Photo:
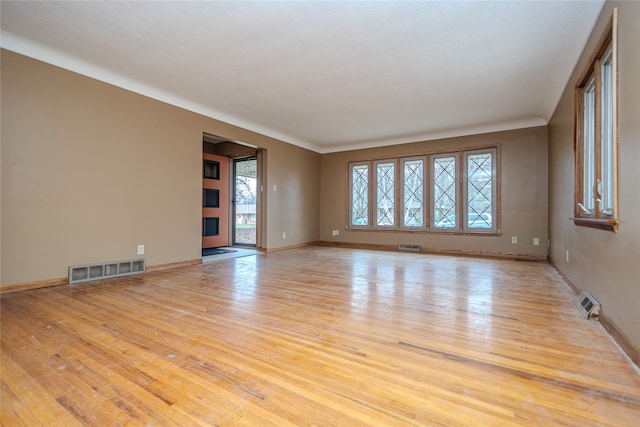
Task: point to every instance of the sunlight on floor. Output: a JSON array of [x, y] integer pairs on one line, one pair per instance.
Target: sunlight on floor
[[237, 253]]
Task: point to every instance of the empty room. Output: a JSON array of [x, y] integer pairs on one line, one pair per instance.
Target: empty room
[[387, 213]]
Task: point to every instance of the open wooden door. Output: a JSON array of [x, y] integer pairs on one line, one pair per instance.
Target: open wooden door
[[215, 201]]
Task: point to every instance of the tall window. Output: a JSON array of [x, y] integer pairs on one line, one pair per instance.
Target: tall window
[[444, 190], [413, 193], [479, 190], [452, 192], [359, 194], [385, 193], [605, 186], [595, 129], [589, 146]]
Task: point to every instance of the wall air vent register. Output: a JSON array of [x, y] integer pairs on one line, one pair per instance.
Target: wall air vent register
[[105, 270], [588, 305]]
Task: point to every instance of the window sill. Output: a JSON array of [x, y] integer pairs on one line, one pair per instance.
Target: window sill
[[601, 224], [490, 233]]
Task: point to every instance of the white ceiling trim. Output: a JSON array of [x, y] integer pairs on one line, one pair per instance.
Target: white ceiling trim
[[431, 136], [325, 76], [46, 54]]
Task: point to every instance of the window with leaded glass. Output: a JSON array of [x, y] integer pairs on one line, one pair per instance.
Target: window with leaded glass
[[385, 193], [479, 190], [444, 192], [454, 192], [359, 194], [413, 192]]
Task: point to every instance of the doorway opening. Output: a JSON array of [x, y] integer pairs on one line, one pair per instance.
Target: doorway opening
[[237, 197], [244, 201]]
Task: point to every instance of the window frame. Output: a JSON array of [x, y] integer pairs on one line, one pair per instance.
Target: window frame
[[401, 205], [432, 183], [428, 158], [591, 148], [373, 211], [494, 191], [353, 165]]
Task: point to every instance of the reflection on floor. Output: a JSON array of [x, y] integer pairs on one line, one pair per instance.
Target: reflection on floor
[[314, 336], [237, 253]]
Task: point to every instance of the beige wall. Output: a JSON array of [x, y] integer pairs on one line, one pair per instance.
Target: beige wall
[[524, 195], [604, 263], [89, 171]]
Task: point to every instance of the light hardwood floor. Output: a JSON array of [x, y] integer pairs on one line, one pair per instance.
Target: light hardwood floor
[[314, 337]]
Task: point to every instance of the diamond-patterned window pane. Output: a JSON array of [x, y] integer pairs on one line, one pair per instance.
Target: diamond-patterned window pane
[[385, 209], [479, 190], [360, 195], [413, 177], [444, 192]]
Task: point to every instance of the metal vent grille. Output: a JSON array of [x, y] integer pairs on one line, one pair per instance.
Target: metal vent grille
[[104, 270], [588, 305], [409, 248]]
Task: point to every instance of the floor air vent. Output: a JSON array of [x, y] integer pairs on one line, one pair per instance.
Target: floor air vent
[[588, 305], [104, 270], [409, 248]]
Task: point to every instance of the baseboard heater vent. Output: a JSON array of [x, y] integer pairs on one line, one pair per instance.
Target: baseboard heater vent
[[588, 305], [409, 248], [104, 270]]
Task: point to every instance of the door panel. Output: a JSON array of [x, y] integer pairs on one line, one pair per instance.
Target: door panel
[[215, 192]]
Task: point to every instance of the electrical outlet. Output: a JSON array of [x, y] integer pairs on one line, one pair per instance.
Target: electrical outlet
[[140, 249], [333, 232], [567, 255], [536, 241], [275, 187], [514, 239], [284, 234], [337, 232]]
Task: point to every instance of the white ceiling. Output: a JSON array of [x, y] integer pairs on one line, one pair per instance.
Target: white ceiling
[[328, 76]]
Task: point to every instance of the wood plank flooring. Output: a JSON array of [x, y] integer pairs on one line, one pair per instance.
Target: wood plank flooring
[[314, 337]]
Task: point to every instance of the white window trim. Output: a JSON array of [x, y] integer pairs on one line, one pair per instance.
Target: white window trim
[[350, 195], [429, 193], [425, 182], [465, 191], [432, 201], [373, 208]]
